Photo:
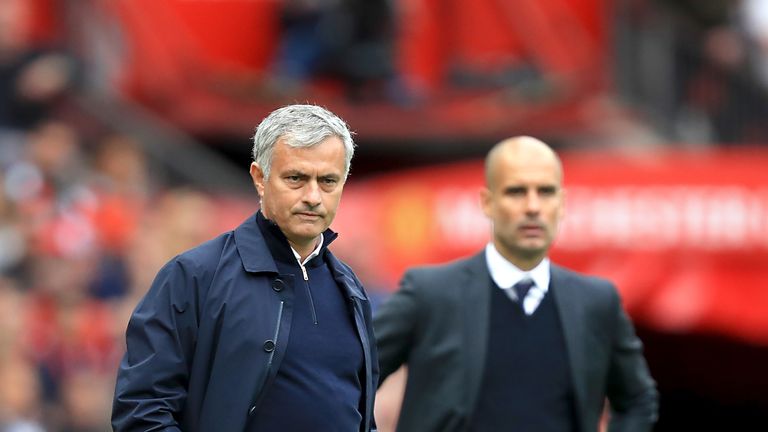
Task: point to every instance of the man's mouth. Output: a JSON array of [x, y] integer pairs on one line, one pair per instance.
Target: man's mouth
[[309, 215], [531, 229]]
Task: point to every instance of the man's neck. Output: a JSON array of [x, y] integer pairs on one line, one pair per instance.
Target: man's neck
[[304, 249], [523, 262]]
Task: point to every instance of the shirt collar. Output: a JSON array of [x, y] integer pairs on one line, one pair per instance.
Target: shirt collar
[[314, 253], [505, 274]]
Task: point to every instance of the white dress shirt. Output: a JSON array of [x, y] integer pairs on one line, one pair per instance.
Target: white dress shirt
[[314, 253], [506, 275]]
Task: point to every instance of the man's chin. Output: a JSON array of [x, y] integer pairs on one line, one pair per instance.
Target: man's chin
[[308, 231], [533, 249]]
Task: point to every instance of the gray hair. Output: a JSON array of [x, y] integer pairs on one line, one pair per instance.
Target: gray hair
[[299, 126]]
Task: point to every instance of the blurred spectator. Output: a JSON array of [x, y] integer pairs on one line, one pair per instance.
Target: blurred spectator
[[65, 330], [181, 219], [86, 397], [12, 303], [54, 148], [753, 17], [19, 395], [121, 185], [121, 167], [11, 236], [696, 67], [347, 40], [31, 77]]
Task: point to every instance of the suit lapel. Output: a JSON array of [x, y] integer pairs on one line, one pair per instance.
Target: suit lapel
[[570, 307], [474, 292]]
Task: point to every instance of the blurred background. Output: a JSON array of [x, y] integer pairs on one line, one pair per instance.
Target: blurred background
[[124, 140]]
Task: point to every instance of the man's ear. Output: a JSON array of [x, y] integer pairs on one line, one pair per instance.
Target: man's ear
[[257, 174], [485, 201]]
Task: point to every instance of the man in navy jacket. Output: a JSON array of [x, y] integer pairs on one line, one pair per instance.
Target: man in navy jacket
[[262, 328]]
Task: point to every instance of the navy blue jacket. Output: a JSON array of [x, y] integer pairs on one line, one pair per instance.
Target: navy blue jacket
[[209, 336]]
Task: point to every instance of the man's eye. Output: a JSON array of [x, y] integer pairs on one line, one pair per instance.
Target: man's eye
[[329, 181], [293, 178], [548, 191]]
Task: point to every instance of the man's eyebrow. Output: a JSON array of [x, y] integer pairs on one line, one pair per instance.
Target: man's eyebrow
[[292, 172], [515, 187], [332, 176]]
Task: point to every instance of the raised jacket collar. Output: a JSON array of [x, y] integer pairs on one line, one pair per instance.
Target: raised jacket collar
[[255, 254]]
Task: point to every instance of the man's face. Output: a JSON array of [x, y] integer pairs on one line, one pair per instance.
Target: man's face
[[303, 190], [524, 201]]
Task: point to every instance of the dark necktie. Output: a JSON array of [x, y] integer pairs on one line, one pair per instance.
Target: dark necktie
[[521, 289]]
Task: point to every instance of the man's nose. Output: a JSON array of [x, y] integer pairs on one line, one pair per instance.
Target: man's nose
[[533, 202], [312, 193]]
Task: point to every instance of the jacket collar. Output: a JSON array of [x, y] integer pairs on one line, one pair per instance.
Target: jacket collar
[[254, 252], [252, 247], [475, 295]]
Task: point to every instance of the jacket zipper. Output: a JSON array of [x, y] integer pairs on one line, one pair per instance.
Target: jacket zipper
[[309, 293], [277, 333], [304, 271]]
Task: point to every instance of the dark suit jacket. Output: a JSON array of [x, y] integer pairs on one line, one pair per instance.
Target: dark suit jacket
[[437, 324]]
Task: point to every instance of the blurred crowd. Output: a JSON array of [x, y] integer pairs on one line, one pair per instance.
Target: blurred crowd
[[83, 229], [82, 232], [698, 70]]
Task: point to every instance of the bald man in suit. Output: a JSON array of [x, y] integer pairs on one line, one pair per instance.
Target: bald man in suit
[[506, 340]]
